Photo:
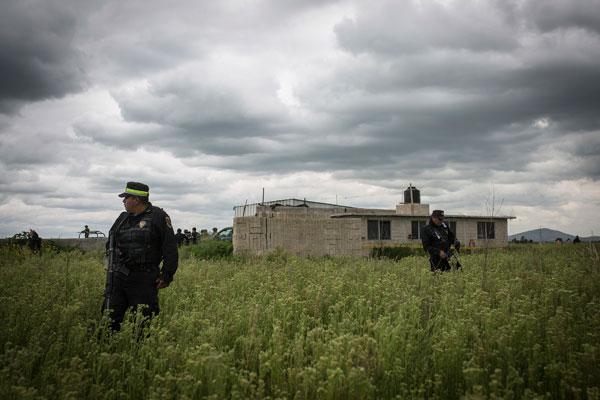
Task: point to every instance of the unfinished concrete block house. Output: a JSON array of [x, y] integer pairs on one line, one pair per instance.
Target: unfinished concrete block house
[[308, 228]]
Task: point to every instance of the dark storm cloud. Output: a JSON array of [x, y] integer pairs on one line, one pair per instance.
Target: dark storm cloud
[[20, 181], [38, 60], [390, 28], [556, 14], [419, 83], [128, 40], [125, 137], [584, 151], [555, 76], [211, 106], [472, 93], [195, 111], [24, 149]]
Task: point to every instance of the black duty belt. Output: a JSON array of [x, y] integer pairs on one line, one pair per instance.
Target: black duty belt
[[120, 269]]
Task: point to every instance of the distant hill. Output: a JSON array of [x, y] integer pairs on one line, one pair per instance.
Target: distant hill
[[550, 235]]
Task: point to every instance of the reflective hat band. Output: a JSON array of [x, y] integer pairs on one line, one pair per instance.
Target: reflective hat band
[[136, 192]]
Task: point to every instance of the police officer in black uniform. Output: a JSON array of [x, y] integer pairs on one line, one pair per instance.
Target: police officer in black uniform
[[138, 241], [34, 241], [179, 237], [437, 238]]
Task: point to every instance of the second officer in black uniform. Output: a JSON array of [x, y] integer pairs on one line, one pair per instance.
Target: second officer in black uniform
[[437, 237], [138, 241]]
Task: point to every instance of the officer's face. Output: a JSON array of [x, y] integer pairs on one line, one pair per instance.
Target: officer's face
[[130, 202], [437, 220]]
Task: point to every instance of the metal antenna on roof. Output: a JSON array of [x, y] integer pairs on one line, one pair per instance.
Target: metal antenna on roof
[[412, 207]]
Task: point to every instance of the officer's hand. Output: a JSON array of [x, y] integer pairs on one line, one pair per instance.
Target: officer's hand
[[443, 255], [160, 284]]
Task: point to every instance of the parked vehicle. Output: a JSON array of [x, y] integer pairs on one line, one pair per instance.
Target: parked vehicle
[[97, 233], [225, 234]]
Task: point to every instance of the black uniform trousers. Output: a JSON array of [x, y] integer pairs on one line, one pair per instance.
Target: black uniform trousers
[[439, 264], [125, 292]]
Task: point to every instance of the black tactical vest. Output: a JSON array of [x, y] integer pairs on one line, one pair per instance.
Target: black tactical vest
[[136, 244], [441, 234]]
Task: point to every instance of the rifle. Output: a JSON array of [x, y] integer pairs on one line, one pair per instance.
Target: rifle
[[454, 259], [112, 264], [451, 257]]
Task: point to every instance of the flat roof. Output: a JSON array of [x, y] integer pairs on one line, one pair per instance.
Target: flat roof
[[355, 212], [292, 202], [250, 209], [394, 215]]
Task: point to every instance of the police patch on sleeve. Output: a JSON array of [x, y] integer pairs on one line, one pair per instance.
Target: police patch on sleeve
[[168, 221]]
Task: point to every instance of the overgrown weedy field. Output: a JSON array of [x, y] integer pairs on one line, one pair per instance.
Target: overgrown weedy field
[[526, 325]]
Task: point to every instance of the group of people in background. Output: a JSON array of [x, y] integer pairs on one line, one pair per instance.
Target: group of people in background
[[559, 241], [186, 237], [30, 238]]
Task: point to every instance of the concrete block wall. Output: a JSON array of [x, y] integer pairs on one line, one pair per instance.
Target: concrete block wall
[[408, 209], [299, 230], [344, 237], [400, 229], [467, 230]]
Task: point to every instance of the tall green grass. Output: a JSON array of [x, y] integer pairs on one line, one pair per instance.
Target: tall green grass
[[525, 326]]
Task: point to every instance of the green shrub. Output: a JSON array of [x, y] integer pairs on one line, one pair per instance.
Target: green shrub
[[209, 250], [395, 253]]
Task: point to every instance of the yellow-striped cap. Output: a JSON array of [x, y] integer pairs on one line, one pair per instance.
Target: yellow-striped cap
[[136, 189]]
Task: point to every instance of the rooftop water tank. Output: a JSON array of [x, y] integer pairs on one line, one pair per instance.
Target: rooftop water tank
[[416, 195]]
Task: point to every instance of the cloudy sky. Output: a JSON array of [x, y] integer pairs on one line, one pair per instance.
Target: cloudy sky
[[477, 103]]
